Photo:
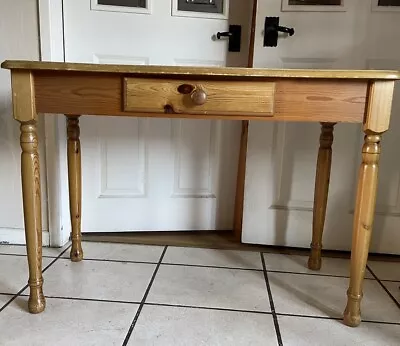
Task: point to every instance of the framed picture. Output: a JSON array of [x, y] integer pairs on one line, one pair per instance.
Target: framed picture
[[314, 5], [386, 5], [214, 9], [133, 6]]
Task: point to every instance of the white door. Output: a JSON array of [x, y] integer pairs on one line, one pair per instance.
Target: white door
[[282, 156], [155, 174]]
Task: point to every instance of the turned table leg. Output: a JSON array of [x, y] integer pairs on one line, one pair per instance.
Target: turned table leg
[[75, 186], [30, 173], [321, 193], [362, 227]]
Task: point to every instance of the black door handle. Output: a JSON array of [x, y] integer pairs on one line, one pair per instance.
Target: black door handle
[[223, 34], [271, 29], [289, 31], [235, 37]]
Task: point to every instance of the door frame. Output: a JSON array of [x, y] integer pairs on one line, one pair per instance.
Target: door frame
[[52, 48], [51, 36]]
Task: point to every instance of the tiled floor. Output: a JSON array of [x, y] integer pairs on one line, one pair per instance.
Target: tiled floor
[[148, 295]]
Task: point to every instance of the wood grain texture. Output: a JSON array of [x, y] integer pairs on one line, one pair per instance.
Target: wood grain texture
[[295, 100], [240, 183], [379, 106], [250, 61], [181, 71], [220, 97], [241, 173], [74, 185], [31, 194], [307, 100], [322, 177], [362, 227], [23, 96], [72, 93]]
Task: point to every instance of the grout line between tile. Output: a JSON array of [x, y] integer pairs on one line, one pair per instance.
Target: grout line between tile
[[139, 310], [308, 316], [210, 266], [112, 261], [203, 308], [90, 299], [384, 287], [209, 308], [26, 286], [13, 298], [392, 281], [154, 304], [24, 255], [311, 274], [333, 318], [59, 256], [378, 322], [271, 302]]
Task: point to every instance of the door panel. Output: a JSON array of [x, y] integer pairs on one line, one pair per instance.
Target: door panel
[[153, 174], [282, 157]]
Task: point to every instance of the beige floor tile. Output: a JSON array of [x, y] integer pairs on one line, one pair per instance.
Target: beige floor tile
[[394, 289], [210, 287], [386, 270], [326, 296], [14, 272], [4, 298], [213, 257], [121, 252], [316, 332], [21, 250], [98, 280], [298, 264], [172, 326], [66, 323]]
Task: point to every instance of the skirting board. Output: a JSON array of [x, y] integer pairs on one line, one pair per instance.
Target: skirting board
[[17, 236]]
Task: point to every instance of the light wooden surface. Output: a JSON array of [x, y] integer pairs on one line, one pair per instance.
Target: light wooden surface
[[295, 100], [31, 194], [241, 174], [221, 98], [362, 228], [228, 72], [300, 95], [25, 112], [322, 177], [250, 60], [23, 96], [240, 182], [379, 106], [74, 185]]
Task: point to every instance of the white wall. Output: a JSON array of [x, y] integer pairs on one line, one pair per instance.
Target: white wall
[[19, 39]]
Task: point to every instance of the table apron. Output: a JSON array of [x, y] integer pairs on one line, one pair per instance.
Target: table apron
[[302, 100]]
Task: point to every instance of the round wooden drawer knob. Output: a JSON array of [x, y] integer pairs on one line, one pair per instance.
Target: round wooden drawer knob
[[199, 97]]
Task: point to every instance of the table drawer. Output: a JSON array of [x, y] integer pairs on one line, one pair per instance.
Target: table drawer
[[199, 97]]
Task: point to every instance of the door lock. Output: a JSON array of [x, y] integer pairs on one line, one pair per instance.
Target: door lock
[[271, 30], [235, 37]]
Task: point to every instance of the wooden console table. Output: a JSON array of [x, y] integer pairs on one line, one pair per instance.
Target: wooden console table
[[324, 96]]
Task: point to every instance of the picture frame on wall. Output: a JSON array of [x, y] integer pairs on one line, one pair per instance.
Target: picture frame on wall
[[201, 9], [314, 5], [386, 5], [127, 6]]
